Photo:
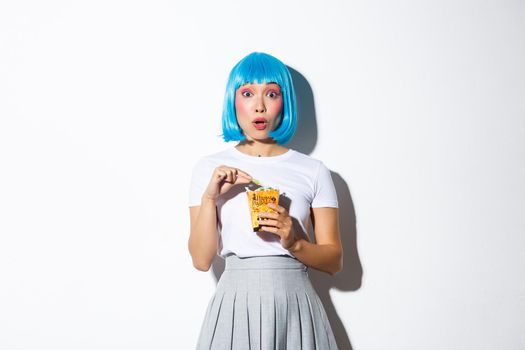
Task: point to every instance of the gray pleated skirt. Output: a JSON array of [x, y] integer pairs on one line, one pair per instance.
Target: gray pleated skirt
[[263, 303]]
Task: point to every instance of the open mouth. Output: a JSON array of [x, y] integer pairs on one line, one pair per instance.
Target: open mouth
[[260, 123]]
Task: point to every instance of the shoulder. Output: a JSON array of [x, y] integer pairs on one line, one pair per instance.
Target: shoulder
[[313, 168], [306, 160], [214, 158]]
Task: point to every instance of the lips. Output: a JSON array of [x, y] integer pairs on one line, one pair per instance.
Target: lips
[[260, 123]]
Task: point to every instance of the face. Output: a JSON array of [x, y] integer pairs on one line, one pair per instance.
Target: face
[[258, 108]]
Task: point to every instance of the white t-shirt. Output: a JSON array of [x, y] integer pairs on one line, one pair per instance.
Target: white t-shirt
[[303, 182]]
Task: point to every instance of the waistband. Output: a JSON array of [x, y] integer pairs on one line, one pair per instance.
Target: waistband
[[233, 262]]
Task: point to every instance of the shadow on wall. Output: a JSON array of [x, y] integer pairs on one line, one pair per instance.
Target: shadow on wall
[[349, 279], [305, 137]]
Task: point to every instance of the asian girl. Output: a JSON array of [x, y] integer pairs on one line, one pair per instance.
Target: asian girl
[[264, 299]]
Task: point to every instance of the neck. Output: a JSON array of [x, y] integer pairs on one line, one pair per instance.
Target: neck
[[261, 149]]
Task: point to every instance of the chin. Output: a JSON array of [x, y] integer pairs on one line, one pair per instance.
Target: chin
[[266, 139]]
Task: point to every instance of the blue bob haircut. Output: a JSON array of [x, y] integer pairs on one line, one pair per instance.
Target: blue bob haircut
[[259, 68]]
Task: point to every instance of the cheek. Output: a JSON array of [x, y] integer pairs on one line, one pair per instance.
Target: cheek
[[240, 107], [276, 107]]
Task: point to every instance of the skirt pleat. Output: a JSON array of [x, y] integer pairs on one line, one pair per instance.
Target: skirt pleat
[[265, 303], [294, 332], [254, 320], [241, 332]]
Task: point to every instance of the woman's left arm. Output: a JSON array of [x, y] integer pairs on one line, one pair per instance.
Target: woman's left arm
[[324, 255]]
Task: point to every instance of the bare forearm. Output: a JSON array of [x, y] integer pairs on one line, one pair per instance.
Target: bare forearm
[[203, 240], [327, 258]]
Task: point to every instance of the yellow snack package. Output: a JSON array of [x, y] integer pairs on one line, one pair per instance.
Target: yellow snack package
[[258, 201]]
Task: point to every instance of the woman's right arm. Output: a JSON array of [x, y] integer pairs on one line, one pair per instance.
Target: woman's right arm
[[203, 234], [203, 240]]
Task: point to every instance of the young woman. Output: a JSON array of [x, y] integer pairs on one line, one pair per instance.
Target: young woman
[[264, 299]]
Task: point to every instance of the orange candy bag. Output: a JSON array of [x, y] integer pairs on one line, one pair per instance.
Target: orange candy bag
[[258, 201]]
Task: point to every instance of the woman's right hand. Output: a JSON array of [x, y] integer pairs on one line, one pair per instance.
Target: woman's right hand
[[224, 178]]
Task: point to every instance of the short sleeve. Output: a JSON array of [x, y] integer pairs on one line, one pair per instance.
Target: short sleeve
[[325, 194], [200, 178]]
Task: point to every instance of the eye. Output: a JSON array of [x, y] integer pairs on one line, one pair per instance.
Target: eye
[[246, 93], [273, 94]]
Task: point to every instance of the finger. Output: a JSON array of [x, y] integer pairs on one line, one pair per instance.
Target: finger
[[228, 175], [242, 180], [240, 177], [270, 229], [220, 175], [244, 174], [270, 222], [265, 214], [231, 175], [278, 208]]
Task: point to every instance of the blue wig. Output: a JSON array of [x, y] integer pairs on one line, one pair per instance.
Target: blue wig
[[259, 68]]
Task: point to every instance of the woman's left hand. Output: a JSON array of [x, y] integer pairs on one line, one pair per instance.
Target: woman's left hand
[[279, 223]]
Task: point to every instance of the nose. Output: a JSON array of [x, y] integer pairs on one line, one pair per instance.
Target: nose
[[260, 107]]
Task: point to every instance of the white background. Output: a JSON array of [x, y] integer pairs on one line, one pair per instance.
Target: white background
[[417, 107]]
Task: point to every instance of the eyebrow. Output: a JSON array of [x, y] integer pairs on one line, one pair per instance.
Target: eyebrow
[[279, 86], [268, 83]]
